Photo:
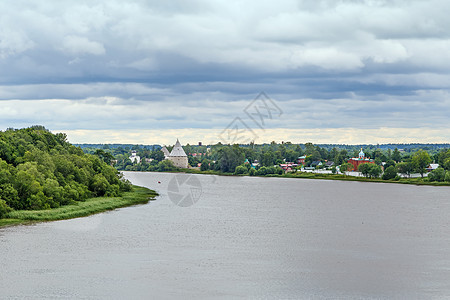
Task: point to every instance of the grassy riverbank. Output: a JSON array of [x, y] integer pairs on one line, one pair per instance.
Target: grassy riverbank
[[139, 195], [309, 175]]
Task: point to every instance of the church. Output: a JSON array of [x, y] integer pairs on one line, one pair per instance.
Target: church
[[361, 159], [177, 155]]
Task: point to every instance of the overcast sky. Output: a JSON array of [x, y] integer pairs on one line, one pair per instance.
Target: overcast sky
[[152, 71]]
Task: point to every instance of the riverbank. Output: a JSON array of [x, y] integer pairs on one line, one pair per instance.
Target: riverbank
[[310, 175], [139, 195]]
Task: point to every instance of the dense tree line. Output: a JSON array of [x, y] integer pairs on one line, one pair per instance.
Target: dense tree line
[[41, 170], [390, 159]]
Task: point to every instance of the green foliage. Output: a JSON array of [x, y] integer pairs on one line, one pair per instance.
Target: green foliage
[[437, 175], [420, 160], [4, 209], [165, 165], [389, 173], [240, 170], [333, 170], [41, 170], [370, 170], [229, 158], [396, 155], [447, 176], [345, 167]]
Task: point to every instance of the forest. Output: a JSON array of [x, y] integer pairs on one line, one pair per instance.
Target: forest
[[41, 170]]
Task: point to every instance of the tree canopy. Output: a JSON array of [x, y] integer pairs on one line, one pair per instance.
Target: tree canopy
[[40, 170]]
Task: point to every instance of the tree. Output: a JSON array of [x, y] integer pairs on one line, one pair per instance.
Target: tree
[[230, 158], [105, 156], [420, 160], [389, 163], [364, 169], [240, 170], [396, 155], [165, 165], [4, 208], [345, 167], [389, 173], [374, 171], [333, 169], [267, 159], [405, 168], [447, 176], [437, 175]]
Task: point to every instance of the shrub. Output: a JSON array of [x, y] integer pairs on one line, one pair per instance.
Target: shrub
[[4, 209], [240, 170], [389, 173], [437, 175], [447, 176]]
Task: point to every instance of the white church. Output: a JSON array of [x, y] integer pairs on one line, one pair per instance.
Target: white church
[[177, 155]]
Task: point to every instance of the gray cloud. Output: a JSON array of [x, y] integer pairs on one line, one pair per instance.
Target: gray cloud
[[134, 64]]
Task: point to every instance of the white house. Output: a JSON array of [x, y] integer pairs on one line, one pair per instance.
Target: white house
[[135, 158]]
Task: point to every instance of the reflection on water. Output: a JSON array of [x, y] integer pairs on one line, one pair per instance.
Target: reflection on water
[[244, 237]]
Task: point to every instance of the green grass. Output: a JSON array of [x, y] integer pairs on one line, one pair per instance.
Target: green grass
[[139, 195]]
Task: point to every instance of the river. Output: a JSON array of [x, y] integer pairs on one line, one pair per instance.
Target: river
[[241, 237]]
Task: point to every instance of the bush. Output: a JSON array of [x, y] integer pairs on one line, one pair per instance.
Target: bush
[[262, 171], [437, 175], [252, 172], [4, 209], [389, 173], [240, 170], [447, 176], [99, 185]]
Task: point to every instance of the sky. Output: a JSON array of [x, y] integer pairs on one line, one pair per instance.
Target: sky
[[149, 72]]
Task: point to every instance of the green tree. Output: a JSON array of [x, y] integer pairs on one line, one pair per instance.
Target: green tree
[[396, 155], [166, 165], [389, 163], [375, 171], [389, 173], [333, 170], [365, 169], [437, 175], [240, 170], [420, 160], [447, 176], [345, 167], [4, 208], [405, 168], [99, 185]]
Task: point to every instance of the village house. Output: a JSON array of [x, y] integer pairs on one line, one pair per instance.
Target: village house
[[134, 157], [301, 160]]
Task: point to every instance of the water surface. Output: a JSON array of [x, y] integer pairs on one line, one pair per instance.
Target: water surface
[[246, 237]]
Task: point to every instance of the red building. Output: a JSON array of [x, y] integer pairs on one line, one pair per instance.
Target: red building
[[361, 159], [301, 160]]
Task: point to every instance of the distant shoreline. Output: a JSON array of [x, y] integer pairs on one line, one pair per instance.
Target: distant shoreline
[[321, 176]]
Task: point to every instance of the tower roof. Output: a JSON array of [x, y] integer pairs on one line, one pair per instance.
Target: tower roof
[[177, 150], [361, 154], [165, 151]]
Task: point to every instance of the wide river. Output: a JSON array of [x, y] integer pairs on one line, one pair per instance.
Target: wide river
[[241, 237]]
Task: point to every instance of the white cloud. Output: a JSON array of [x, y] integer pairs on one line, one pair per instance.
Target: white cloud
[[134, 64], [77, 45]]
